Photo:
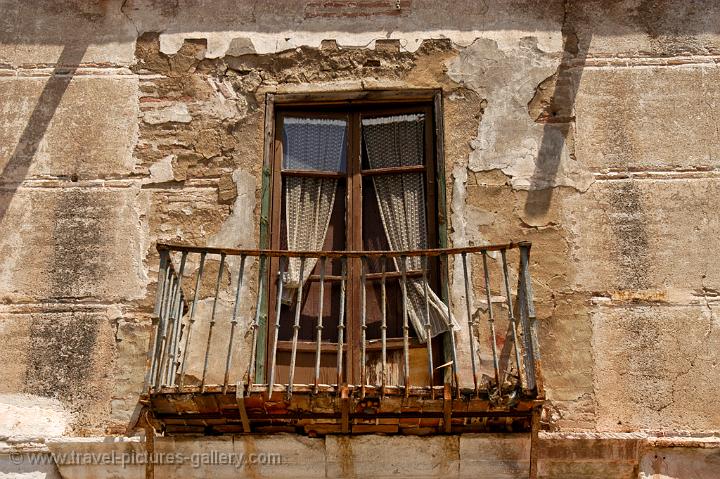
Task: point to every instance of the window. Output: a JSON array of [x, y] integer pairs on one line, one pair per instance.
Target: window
[[359, 177]]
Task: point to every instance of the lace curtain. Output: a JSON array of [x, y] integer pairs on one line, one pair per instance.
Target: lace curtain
[[399, 141], [309, 144]]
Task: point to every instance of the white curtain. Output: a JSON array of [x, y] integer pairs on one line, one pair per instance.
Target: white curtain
[[309, 144], [399, 141]]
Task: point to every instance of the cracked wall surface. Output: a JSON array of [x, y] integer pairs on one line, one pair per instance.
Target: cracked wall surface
[[589, 128]]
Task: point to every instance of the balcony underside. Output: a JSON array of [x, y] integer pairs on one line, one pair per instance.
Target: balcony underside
[[214, 411]]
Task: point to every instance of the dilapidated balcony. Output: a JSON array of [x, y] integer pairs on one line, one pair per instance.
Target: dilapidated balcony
[[238, 347]]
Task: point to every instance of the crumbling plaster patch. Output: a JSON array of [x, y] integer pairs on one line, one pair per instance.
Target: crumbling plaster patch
[[508, 139]]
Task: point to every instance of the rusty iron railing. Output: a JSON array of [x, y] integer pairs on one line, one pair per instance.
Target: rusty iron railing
[[498, 365]]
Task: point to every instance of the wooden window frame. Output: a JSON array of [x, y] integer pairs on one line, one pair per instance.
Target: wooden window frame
[[349, 105]]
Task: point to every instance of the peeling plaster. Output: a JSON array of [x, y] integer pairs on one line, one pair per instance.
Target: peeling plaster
[[508, 139]]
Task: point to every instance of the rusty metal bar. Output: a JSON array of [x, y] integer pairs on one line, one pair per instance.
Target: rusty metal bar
[[278, 302], [383, 324], [296, 328], [471, 329], [233, 322], [341, 324], [240, 401], [162, 327], [363, 325], [511, 315], [164, 258], [256, 322], [491, 320], [406, 327], [159, 295], [191, 319], [370, 277], [339, 254], [171, 323], [431, 370], [527, 317], [177, 323], [453, 348], [534, 442], [319, 326], [212, 320], [165, 324]]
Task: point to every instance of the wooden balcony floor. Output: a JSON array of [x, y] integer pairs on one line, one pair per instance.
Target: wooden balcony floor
[[442, 410]]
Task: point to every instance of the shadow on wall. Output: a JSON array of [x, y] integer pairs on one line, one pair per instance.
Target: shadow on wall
[[559, 119], [18, 164]]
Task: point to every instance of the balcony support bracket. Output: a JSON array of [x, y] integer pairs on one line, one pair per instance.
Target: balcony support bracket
[[345, 410], [447, 409], [240, 399], [534, 441]]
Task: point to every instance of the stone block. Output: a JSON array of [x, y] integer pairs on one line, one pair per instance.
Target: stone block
[[565, 341], [68, 31], [64, 370], [644, 234], [648, 118], [382, 457], [582, 449], [494, 455], [680, 462], [28, 465], [72, 243], [661, 28], [94, 459], [83, 128], [276, 456], [585, 470], [656, 367]]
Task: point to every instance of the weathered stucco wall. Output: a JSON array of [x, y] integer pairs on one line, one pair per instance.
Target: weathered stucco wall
[[588, 128]]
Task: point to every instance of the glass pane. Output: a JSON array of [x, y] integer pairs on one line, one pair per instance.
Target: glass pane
[[314, 144], [391, 141]]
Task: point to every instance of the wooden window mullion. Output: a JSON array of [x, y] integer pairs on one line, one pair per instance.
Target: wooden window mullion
[[354, 243]]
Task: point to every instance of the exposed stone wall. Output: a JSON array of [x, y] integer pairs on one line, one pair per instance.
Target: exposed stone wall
[[588, 128]]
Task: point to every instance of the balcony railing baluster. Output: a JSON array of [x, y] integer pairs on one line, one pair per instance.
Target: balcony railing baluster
[[427, 325], [341, 323], [296, 327], [165, 321], [363, 324], [527, 317], [405, 325], [191, 319], [256, 322], [491, 320], [444, 265], [278, 307], [233, 322], [471, 329], [169, 354], [511, 316], [157, 322], [319, 326], [212, 319], [177, 322]]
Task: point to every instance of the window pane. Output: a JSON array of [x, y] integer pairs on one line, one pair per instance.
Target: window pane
[[314, 144], [397, 140]]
